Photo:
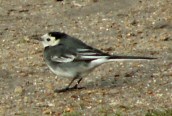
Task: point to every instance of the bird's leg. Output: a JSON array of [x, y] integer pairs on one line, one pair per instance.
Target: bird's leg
[[71, 83], [67, 88], [76, 86]]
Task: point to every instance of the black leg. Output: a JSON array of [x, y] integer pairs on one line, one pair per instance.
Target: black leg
[[76, 86], [71, 82], [65, 89], [72, 88]]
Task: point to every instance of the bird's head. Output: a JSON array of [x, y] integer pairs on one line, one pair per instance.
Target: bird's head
[[52, 38]]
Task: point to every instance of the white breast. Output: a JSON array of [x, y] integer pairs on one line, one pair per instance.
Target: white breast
[[59, 72]]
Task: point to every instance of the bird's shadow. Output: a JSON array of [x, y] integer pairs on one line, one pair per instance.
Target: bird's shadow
[[105, 83], [99, 83]]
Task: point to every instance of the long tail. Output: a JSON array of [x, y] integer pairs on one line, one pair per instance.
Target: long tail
[[100, 61], [123, 58]]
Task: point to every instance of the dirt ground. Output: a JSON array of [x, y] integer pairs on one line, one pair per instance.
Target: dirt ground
[[123, 27]]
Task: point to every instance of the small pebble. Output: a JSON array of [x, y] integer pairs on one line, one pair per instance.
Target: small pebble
[[26, 99], [49, 86], [47, 111], [2, 111], [18, 90]]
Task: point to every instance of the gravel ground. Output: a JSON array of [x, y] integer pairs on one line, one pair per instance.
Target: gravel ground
[[125, 27]]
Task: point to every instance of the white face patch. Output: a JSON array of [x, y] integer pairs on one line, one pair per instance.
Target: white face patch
[[48, 40]]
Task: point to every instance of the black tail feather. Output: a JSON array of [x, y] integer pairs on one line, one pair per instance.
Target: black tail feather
[[131, 57]]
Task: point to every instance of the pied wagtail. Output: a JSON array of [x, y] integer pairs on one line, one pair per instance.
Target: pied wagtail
[[71, 58]]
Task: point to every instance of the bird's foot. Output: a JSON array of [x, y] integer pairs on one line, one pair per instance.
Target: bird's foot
[[68, 89], [61, 90], [76, 87]]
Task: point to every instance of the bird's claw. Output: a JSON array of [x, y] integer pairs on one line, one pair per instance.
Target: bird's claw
[[68, 89]]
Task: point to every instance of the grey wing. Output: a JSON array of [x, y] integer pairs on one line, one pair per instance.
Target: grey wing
[[62, 54], [91, 54], [66, 58], [80, 54]]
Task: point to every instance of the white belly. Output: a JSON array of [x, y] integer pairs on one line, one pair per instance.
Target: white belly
[[59, 72]]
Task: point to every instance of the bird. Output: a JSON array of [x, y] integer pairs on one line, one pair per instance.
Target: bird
[[71, 58]]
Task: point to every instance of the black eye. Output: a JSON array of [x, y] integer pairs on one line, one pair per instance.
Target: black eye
[[48, 39]]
